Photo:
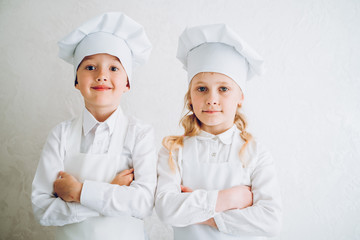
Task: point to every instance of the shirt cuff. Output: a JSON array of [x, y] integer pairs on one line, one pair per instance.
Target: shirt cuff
[[220, 223], [211, 200], [91, 195], [83, 212]]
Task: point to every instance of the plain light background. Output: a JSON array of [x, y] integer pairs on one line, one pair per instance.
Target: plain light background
[[305, 109]]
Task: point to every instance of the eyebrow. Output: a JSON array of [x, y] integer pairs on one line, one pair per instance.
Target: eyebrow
[[201, 82], [223, 83], [218, 83], [87, 58], [115, 59]]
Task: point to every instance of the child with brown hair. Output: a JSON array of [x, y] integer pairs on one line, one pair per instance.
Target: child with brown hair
[[97, 174]]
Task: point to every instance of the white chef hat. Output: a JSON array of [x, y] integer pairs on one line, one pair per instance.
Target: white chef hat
[[217, 48], [113, 33]]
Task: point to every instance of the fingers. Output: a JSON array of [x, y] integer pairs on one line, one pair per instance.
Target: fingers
[[63, 174], [131, 177], [248, 187], [243, 187], [185, 189], [126, 172], [122, 180]]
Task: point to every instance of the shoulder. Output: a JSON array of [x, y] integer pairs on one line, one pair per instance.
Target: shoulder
[[189, 141], [253, 148], [56, 139], [138, 124], [138, 128], [258, 154], [61, 128], [257, 147], [164, 152]]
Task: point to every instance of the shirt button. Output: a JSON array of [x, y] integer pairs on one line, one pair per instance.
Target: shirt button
[[213, 154]]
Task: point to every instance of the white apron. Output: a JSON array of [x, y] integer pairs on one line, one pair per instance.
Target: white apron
[[99, 167], [210, 176]]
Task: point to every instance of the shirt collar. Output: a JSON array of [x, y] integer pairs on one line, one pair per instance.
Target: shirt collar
[[89, 122], [225, 137]]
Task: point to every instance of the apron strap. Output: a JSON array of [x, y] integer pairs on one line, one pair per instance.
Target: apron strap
[[118, 136], [179, 161], [73, 136], [188, 151]]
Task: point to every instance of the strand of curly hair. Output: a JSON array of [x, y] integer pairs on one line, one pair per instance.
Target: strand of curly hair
[[192, 127]]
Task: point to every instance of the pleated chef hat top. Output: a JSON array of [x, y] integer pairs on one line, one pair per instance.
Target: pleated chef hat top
[[113, 33], [217, 48]]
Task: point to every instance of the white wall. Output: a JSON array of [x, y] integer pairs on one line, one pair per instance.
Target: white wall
[[306, 108]]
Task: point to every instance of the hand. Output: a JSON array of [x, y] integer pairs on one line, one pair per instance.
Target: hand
[[185, 189], [237, 197], [67, 187], [210, 222], [124, 178]]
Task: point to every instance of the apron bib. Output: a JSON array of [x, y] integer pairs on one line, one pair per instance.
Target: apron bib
[[209, 176], [103, 168]]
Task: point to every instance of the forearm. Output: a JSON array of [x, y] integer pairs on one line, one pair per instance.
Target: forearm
[[237, 197], [48, 209], [263, 218], [136, 200], [52, 211], [183, 209], [251, 221]]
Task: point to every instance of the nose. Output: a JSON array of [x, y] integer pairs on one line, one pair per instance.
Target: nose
[[102, 76], [101, 79], [212, 98]]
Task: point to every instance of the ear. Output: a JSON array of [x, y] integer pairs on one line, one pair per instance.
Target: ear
[[127, 87], [76, 82], [241, 99]]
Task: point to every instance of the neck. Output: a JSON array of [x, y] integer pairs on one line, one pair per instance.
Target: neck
[[215, 130], [101, 114]]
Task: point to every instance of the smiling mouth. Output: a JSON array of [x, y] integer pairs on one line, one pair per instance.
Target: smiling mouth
[[211, 111], [101, 88]]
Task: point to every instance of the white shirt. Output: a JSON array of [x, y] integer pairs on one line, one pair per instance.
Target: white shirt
[[178, 209], [215, 148], [97, 198], [96, 135]]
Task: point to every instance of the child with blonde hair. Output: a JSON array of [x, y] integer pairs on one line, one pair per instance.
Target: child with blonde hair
[[96, 177], [216, 181]]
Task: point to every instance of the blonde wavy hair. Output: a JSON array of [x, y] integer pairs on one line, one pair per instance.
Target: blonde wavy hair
[[192, 127]]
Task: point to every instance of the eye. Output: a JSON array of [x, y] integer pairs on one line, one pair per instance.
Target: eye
[[201, 89], [114, 69], [223, 89], [90, 68]]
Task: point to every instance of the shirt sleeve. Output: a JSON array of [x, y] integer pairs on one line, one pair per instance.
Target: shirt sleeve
[[48, 209], [136, 200], [263, 218], [176, 208]]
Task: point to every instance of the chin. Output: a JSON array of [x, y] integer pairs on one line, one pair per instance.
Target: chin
[[211, 123]]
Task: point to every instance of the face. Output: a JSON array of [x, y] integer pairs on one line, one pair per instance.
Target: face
[[101, 80], [215, 98]]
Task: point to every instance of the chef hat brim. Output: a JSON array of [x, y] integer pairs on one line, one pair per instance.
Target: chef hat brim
[[215, 37]]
